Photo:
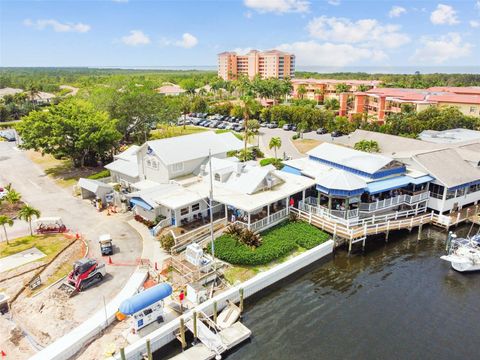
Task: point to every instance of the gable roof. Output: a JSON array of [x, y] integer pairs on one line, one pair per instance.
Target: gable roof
[[448, 167], [126, 167], [129, 154], [195, 146], [354, 159]]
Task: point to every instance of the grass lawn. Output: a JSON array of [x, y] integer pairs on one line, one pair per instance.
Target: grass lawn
[[304, 145], [278, 243], [50, 245], [63, 171], [164, 131]]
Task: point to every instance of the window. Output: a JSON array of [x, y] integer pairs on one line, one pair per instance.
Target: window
[[436, 191], [217, 177], [184, 211], [473, 109], [460, 192], [177, 167], [195, 207], [450, 194]]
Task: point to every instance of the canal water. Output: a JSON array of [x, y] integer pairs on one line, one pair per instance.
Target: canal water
[[397, 300]]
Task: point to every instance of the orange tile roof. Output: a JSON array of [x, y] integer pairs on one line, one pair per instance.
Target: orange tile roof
[[472, 90]]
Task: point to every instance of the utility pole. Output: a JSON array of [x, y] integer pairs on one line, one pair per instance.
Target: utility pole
[[211, 211]]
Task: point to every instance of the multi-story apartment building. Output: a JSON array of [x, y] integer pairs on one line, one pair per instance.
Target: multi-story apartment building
[[267, 64], [321, 89], [380, 102]]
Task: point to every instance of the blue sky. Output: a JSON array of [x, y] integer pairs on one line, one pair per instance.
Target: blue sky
[[185, 33]]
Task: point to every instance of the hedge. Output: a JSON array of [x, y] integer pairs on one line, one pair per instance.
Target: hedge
[[277, 242], [100, 175], [275, 162], [8, 124]]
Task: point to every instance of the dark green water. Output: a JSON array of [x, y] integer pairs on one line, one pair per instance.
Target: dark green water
[[395, 301]]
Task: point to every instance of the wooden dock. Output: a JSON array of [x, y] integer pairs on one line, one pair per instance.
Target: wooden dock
[[342, 231]]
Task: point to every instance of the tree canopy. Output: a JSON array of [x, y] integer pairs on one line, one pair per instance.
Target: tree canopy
[[72, 129]]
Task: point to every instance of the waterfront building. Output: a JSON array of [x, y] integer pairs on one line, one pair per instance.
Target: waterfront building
[[355, 185], [454, 166], [266, 64], [167, 182], [322, 89], [380, 102]]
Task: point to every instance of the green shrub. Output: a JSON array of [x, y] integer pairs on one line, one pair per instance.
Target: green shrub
[[275, 162], [296, 136], [100, 175], [167, 241], [8, 124], [277, 242]]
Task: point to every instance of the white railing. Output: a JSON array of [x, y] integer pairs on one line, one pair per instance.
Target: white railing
[[266, 221], [394, 201], [161, 224]]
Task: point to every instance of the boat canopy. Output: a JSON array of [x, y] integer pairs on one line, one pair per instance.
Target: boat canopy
[[144, 299]]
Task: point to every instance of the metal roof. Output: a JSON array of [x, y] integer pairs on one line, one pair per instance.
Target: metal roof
[[195, 146], [340, 180], [126, 167], [354, 159]]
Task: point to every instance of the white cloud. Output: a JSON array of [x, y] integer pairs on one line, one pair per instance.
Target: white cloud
[[248, 14], [278, 6], [441, 49], [474, 24], [369, 32], [396, 11], [334, 2], [242, 51], [188, 41], [57, 25], [136, 37], [328, 54], [444, 14], [477, 5]]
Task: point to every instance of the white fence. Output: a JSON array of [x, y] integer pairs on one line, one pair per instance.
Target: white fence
[[69, 344], [166, 333], [161, 224], [394, 201]]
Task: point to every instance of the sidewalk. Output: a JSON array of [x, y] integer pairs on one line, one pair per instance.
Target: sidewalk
[[151, 246]]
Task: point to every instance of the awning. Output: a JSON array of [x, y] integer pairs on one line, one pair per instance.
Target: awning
[[388, 184], [421, 180], [140, 202]]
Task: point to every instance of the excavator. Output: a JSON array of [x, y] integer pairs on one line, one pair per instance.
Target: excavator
[[85, 273]]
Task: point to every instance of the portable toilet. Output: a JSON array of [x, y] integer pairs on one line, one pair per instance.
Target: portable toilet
[[147, 306]]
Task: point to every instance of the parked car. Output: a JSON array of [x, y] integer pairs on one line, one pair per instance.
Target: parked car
[[294, 128], [219, 125], [7, 135], [287, 127], [337, 133], [321, 131]]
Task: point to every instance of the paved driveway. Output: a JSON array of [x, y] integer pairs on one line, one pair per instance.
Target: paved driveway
[[44, 194], [287, 146]]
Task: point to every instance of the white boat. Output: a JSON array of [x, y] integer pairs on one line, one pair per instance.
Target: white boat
[[228, 316], [463, 254]]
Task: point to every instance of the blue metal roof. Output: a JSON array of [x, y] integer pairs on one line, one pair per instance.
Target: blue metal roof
[[421, 180], [395, 183], [144, 299], [140, 202]]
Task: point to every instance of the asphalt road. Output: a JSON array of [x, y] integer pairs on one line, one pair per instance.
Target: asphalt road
[[287, 146], [44, 194]]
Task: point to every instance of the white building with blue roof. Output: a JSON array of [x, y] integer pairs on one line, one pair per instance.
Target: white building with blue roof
[[354, 184]]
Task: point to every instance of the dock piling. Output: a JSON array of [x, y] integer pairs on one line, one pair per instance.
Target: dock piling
[[182, 334], [419, 236], [241, 299], [215, 311], [122, 354], [194, 327], [149, 350]]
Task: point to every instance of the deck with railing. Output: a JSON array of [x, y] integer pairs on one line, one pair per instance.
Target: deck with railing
[[266, 222]]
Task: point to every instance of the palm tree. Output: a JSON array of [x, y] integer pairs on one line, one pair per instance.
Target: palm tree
[[27, 213], [301, 91], [275, 143], [33, 93], [13, 197], [5, 220]]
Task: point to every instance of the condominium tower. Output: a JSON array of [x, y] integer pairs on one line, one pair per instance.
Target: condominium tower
[[267, 64]]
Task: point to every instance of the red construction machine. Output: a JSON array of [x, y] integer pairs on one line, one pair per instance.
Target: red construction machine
[[85, 273]]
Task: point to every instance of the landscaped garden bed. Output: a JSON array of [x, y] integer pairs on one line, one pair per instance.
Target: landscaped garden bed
[[276, 243]]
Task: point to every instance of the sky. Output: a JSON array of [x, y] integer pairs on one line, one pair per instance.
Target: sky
[[335, 33]]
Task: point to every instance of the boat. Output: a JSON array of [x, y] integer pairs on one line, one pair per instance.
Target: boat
[[228, 316], [463, 253]]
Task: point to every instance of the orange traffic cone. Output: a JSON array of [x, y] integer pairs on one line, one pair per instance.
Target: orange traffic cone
[[110, 260]]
